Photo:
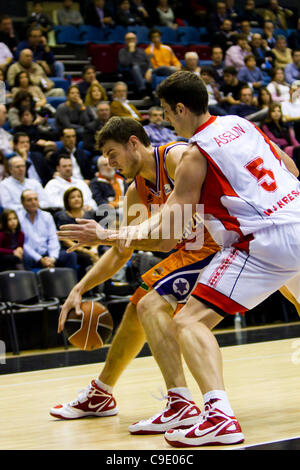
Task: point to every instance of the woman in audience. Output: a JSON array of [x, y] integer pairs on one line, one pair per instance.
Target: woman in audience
[[281, 53], [11, 241], [95, 94], [35, 126], [73, 203], [72, 114], [165, 14], [264, 98], [278, 87], [22, 100]]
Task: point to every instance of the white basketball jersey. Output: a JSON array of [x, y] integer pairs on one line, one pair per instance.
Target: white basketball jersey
[[247, 187]]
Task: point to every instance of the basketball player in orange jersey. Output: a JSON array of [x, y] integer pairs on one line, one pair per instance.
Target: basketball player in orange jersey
[[252, 209], [126, 144]]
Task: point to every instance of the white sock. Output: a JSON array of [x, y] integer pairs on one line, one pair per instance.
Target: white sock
[[183, 391], [222, 403], [104, 387]]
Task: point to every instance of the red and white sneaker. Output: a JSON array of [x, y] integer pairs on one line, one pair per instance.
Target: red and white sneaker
[[213, 428], [92, 401], [179, 413]]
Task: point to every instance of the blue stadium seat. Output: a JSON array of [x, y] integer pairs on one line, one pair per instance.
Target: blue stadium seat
[[141, 33], [281, 32], [92, 34], [55, 101], [156, 79], [117, 35], [60, 83], [188, 35], [68, 35], [168, 35]]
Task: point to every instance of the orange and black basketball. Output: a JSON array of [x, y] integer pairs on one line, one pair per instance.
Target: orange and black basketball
[[92, 329]]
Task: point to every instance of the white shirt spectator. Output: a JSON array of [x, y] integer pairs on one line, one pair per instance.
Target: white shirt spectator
[[56, 187], [6, 141], [11, 190], [4, 53]]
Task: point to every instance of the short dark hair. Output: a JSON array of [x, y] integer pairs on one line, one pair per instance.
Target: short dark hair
[[153, 31], [17, 135], [248, 57], [120, 129], [230, 70], [88, 67], [62, 155], [67, 194], [186, 88]]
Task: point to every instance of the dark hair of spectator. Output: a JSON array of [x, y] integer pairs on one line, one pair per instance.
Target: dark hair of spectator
[[86, 68], [66, 197], [63, 156], [260, 93], [153, 31], [20, 96], [230, 70], [17, 135], [270, 110], [17, 78], [4, 220], [70, 88], [120, 129]]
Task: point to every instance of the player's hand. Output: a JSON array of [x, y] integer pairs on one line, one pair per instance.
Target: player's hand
[[73, 302], [84, 233]]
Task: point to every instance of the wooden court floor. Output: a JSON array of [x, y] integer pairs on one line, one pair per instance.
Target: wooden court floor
[[262, 380]]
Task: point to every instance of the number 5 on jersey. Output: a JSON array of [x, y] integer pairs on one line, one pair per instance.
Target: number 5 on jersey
[[264, 176]]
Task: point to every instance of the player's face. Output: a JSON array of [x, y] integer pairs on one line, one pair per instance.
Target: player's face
[[172, 117], [122, 157]]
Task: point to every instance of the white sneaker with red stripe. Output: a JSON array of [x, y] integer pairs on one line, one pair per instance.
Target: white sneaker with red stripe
[[92, 401], [214, 428], [179, 413]]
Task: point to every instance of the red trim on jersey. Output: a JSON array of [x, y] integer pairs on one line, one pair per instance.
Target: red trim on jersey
[[219, 300], [205, 124], [267, 140]]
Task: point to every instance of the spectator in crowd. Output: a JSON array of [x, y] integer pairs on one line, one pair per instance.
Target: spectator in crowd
[[231, 10], [231, 88], [217, 17], [98, 14], [135, 65], [250, 14], [292, 71], [81, 165], [127, 16], [157, 132], [5, 137], [68, 16], [291, 109], [277, 14], [251, 74], [162, 57], [197, 12], [120, 106], [42, 53], [279, 132], [236, 54], [39, 19], [95, 95], [165, 14], [214, 97], [264, 98], [217, 65], [4, 173], [191, 60], [72, 114], [36, 165], [12, 187], [11, 241], [73, 209], [262, 52], [140, 8], [36, 73], [268, 34], [41, 245], [278, 87], [88, 77], [246, 106], [23, 83], [90, 130], [282, 53], [294, 37], [245, 28], [108, 189], [225, 37], [6, 57], [63, 180], [7, 33], [22, 100]]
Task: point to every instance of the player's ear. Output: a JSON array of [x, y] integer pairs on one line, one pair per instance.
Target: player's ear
[[179, 108]]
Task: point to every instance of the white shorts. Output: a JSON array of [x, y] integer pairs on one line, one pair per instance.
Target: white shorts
[[236, 281]]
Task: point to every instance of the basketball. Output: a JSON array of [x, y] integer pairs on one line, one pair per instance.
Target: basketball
[[92, 329]]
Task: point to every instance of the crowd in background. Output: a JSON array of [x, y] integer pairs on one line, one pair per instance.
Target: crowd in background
[[51, 171]]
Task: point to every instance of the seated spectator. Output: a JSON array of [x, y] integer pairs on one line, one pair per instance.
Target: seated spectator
[[72, 114], [98, 14], [108, 189], [162, 57], [165, 14], [12, 187], [268, 34], [278, 87], [6, 57], [235, 55], [139, 7], [120, 106], [36, 73], [5, 137], [11, 242], [218, 65], [135, 64], [68, 16], [4, 172], [282, 54], [157, 132], [217, 17], [250, 14], [292, 71], [127, 16], [264, 99], [279, 132], [39, 19], [22, 100], [291, 109], [262, 52], [245, 28], [88, 77], [251, 74], [277, 14], [95, 95], [226, 37], [36, 127], [36, 165], [63, 180], [214, 97], [7, 33], [191, 60], [246, 106], [81, 164], [73, 209], [42, 53], [41, 245], [231, 88], [90, 130], [293, 39]]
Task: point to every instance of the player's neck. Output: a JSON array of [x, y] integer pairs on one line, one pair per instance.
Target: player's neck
[[148, 170], [194, 123]]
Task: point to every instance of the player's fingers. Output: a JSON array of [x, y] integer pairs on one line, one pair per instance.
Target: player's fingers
[[74, 247], [82, 221]]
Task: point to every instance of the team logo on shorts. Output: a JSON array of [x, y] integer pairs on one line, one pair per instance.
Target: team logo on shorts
[[167, 189], [181, 286]]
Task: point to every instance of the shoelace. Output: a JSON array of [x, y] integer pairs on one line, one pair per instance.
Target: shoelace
[[82, 395], [161, 398]]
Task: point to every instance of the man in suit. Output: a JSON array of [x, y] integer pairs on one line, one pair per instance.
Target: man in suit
[[120, 106], [98, 14]]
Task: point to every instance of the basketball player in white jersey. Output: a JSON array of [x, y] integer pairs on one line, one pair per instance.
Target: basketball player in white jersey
[[252, 210]]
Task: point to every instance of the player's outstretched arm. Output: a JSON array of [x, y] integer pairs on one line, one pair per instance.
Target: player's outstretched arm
[[287, 160]]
